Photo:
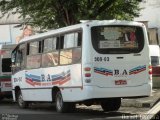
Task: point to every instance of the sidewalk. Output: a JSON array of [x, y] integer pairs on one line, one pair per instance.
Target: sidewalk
[[147, 102]]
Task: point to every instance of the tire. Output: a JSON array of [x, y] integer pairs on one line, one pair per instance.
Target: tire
[[111, 104], [20, 101], [62, 106]]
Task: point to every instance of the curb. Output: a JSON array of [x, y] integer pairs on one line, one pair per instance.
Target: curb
[[146, 102], [135, 103]]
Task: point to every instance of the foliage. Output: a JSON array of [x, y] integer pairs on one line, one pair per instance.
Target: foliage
[[57, 13]]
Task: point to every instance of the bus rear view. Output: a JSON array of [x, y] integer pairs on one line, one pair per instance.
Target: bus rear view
[[121, 60], [120, 65]]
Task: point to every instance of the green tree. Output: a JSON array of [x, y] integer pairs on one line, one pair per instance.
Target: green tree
[[58, 13]]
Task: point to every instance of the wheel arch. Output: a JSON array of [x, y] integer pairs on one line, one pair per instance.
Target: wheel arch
[[17, 89], [55, 89]]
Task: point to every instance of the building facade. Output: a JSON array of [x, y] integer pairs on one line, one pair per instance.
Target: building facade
[[9, 29], [150, 15]]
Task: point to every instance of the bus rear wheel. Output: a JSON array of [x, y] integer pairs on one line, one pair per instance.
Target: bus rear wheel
[[62, 106], [21, 102], [111, 104]]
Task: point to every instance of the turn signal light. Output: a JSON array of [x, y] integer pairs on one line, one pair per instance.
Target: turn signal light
[[150, 70], [150, 67], [88, 75], [87, 69]]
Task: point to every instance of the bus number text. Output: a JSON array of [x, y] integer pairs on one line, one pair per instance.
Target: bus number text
[[101, 59]]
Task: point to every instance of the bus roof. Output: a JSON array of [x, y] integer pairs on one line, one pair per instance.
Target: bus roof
[[79, 26]]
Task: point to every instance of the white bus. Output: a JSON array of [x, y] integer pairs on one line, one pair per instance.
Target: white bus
[[93, 62], [5, 71]]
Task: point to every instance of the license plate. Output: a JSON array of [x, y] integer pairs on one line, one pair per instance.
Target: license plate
[[120, 82]]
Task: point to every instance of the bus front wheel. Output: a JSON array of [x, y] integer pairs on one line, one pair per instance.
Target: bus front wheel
[[21, 102], [111, 104], [62, 106]]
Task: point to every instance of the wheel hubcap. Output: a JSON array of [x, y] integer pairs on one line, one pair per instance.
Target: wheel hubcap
[[59, 101], [20, 100]]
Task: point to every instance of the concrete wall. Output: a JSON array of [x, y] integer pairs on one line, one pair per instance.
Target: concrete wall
[[8, 29], [8, 33], [153, 36]]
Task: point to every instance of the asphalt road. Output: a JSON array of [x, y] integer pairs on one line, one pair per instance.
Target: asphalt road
[[10, 111]]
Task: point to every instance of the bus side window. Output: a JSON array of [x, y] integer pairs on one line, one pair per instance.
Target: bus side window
[[71, 52], [18, 58], [34, 48], [34, 58], [76, 52], [47, 45], [50, 53], [76, 55]]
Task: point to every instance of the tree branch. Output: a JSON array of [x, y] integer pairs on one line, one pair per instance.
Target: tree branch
[[104, 7]]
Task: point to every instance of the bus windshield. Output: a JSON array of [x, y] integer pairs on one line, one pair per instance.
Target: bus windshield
[[117, 39]]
